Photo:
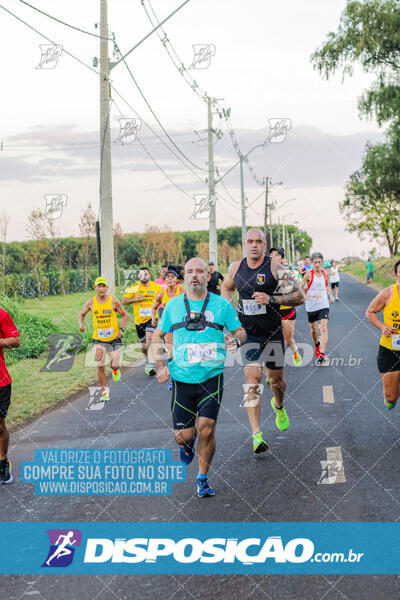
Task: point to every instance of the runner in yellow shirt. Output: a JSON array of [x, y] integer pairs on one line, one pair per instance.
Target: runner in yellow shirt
[[388, 301], [142, 295], [106, 332]]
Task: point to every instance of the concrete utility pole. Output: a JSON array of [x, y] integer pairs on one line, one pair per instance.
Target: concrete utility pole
[[212, 237], [266, 209], [243, 206], [293, 255], [106, 208]]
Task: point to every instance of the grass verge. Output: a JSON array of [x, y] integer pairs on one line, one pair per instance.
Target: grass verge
[[383, 272]]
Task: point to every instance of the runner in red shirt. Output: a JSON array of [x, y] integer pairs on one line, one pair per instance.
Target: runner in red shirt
[[9, 338]]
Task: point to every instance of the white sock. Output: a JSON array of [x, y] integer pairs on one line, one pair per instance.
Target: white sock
[[293, 348]]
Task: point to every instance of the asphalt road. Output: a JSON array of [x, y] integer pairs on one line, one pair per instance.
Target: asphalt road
[[281, 485]]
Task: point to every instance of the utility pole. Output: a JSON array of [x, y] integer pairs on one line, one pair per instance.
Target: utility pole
[[293, 256], [243, 206], [212, 237], [271, 242], [266, 210], [283, 234], [106, 209]]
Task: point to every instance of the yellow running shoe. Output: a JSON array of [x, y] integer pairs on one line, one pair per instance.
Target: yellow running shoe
[[297, 359], [282, 419], [259, 444], [116, 374]]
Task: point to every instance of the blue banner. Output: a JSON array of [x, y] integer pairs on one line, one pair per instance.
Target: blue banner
[[200, 548]]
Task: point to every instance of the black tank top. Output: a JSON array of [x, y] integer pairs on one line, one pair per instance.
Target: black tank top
[[259, 321]]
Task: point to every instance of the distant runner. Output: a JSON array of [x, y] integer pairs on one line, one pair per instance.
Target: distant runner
[[388, 300], [256, 280], [142, 295], [197, 319], [369, 265], [215, 277], [317, 305], [107, 335], [334, 278], [162, 280], [9, 338]]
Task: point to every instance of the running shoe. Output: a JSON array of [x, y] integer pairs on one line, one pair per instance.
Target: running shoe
[[259, 444], [116, 374], [170, 384], [105, 396], [149, 369], [186, 451], [5, 471], [322, 360], [317, 351], [152, 369], [390, 405], [204, 489], [282, 419], [297, 359]]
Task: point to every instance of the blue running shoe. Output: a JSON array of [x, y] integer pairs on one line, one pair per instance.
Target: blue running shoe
[[204, 489], [170, 384], [186, 451]]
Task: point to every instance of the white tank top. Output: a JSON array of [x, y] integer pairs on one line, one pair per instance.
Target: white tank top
[[318, 298], [334, 277]]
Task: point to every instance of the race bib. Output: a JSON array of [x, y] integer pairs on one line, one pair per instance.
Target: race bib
[[396, 341], [105, 333], [145, 312], [317, 297], [250, 307], [198, 353]]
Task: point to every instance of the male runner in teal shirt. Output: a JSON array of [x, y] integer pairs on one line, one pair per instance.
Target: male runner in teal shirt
[[197, 320]]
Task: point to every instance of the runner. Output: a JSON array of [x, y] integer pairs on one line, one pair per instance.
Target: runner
[[334, 278], [197, 365], [307, 264], [317, 306], [369, 265], [142, 295], [215, 277], [256, 280], [106, 332], [9, 338], [288, 313], [388, 300], [162, 279]]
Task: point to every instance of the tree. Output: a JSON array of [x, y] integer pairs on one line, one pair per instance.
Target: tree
[[57, 247], [161, 245], [87, 228], [4, 222], [369, 34], [372, 199], [36, 249]]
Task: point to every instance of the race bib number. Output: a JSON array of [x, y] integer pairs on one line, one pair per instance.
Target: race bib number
[[250, 307], [198, 353], [317, 297], [396, 341], [145, 312], [105, 333]]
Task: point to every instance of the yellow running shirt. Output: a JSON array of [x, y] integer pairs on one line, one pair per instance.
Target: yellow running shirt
[[166, 298], [142, 310], [105, 322], [391, 317]]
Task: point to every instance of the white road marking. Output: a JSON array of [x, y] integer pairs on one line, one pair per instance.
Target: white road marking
[[332, 467], [327, 392]]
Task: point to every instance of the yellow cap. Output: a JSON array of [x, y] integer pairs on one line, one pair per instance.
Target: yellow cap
[[100, 280]]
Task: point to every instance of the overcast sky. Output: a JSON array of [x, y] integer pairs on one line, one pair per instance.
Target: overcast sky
[[261, 69]]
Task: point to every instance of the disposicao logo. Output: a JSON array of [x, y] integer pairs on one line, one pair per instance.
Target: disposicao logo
[[63, 543]]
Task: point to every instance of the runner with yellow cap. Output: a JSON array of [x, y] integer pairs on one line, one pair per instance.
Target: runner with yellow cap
[[106, 332]]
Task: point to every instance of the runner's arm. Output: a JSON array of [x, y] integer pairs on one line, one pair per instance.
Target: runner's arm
[[157, 349], [156, 304], [329, 292], [228, 287], [378, 304], [10, 342], [293, 298], [88, 305], [240, 334], [306, 279], [121, 311]]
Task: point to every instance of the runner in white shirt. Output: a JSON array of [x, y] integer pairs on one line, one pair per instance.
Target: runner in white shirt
[[334, 278], [317, 305]]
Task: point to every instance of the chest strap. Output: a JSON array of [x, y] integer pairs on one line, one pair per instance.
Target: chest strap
[[203, 309]]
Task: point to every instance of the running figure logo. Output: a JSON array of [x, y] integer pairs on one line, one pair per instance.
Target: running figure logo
[[50, 55], [278, 129], [202, 206], [128, 129], [203, 54], [55, 203], [130, 276], [63, 347], [95, 401], [63, 543]]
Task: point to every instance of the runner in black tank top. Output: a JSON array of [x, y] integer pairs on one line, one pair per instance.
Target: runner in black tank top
[[260, 321], [257, 280]]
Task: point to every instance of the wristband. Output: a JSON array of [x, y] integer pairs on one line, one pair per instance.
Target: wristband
[[272, 300], [122, 329], [238, 344]]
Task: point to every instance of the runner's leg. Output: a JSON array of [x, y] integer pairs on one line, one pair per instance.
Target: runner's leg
[[4, 438], [324, 335], [206, 446], [253, 374], [314, 331], [391, 386], [278, 385]]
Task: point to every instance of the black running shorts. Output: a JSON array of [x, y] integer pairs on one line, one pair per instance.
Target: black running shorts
[[5, 400], [191, 400], [388, 360], [288, 314], [142, 328], [317, 315], [268, 351], [109, 346]]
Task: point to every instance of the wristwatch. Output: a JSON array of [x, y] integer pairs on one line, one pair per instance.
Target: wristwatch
[[272, 300], [238, 344], [122, 329]]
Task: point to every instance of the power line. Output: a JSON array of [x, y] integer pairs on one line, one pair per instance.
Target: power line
[[63, 22]]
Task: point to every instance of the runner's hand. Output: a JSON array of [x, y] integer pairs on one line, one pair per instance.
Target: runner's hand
[[82, 328], [139, 297], [387, 331], [163, 375], [231, 344], [332, 299], [261, 298], [154, 321], [120, 334]]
